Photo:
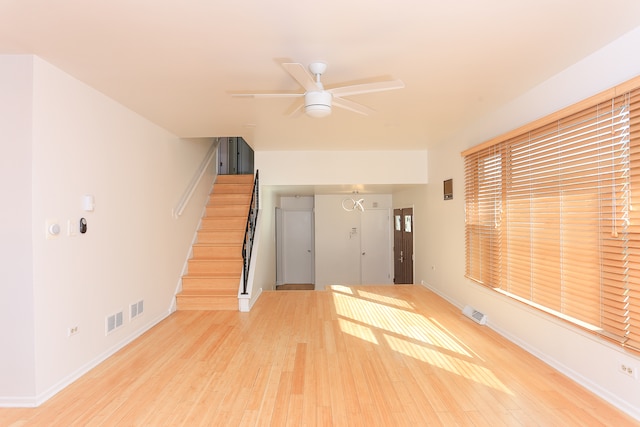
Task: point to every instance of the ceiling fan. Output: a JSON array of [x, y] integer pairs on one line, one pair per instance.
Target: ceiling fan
[[317, 100]]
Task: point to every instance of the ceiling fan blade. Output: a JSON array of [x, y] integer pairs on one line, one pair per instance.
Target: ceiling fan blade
[[267, 95], [295, 109], [367, 88], [301, 75], [352, 106]]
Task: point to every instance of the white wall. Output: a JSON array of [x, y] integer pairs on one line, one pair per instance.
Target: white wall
[[341, 167], [337, 246], [17, 369], [84, 143], [265, 273], [585, 358]]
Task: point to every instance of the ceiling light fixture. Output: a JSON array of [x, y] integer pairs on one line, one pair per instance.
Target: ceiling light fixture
[[317, 104], [351, 204]]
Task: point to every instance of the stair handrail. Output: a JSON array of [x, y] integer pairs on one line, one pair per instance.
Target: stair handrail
[[195, 180], [250, 229]]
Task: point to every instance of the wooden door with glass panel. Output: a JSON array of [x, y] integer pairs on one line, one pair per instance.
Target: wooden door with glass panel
[[403, 246]]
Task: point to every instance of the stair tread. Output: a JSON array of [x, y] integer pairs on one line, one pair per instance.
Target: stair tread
[[222, 231], [203, 276], [214, 216], [217, 258], [218, 245], [219, 219], [208, 292]]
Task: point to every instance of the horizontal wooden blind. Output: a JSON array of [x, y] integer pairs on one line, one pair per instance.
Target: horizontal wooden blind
[[550, 217], [632, 277]]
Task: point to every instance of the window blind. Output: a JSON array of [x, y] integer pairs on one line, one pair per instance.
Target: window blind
[[550, 216]]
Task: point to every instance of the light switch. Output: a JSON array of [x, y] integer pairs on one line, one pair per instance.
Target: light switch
[[72, 230]]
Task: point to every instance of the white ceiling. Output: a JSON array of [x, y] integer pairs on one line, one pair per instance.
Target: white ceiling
[[175, 62]]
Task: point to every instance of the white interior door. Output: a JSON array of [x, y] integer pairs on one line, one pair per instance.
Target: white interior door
[[297, 246], [375, 248]]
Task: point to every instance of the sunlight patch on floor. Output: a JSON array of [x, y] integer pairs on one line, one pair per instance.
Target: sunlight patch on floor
[[340, 288], [398, 321], [372, 317], [453, 364], [384, 299], [357, 330]]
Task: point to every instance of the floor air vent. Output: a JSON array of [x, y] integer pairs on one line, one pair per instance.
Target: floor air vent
[[475, 315]]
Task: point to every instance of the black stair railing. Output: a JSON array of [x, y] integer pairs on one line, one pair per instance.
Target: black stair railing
[[247, 245]]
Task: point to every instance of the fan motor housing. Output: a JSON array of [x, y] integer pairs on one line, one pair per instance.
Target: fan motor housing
[[317, 103]]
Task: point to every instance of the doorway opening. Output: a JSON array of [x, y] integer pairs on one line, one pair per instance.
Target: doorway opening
[[235, 156]]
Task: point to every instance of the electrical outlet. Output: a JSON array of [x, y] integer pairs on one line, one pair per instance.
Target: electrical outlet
[[628, 369], [72, 331]]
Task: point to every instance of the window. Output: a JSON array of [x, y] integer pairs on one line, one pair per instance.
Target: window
[[553, 214]]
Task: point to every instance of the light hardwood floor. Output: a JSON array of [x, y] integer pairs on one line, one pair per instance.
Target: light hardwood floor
[[361, 356]]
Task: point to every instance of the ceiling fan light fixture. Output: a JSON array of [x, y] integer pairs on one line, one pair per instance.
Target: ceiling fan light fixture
[[317, 104], [317, 100]]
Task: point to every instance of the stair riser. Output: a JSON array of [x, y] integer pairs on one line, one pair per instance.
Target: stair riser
[[223, 237], [229, 199], [222, 223], [228, 211], [206, 303], [197, 267], [234, 179], [217, 252], [192, 283], [232, 188]]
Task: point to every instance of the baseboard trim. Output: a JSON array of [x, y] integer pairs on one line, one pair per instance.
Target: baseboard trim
[[35, 401]]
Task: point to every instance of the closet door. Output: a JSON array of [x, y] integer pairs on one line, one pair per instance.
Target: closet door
[[297, 247], [375, 244]]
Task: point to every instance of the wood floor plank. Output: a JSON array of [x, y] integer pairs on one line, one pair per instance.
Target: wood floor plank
[[352, 356]]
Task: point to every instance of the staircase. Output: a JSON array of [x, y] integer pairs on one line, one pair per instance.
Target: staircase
[[215, 269]]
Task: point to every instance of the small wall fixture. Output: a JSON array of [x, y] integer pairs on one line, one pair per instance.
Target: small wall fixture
[[88, 203], [448, 189]]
